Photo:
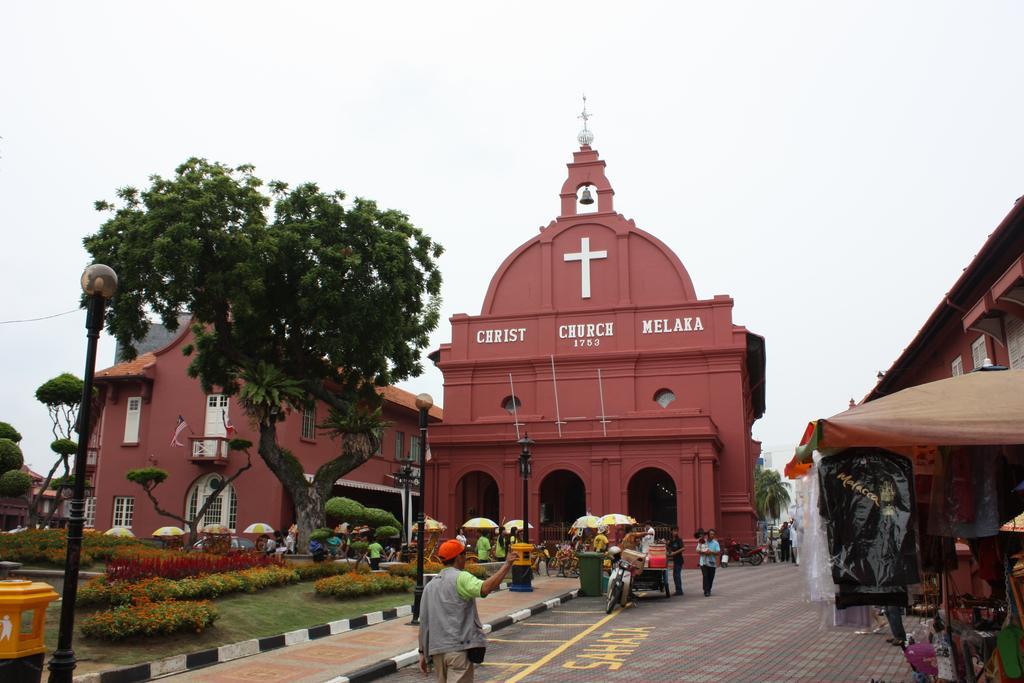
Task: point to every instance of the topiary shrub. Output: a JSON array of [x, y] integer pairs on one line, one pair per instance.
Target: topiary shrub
[[320, 534], [14, 484], [146, 475], [9, 432], [385, 532], [375, 517], [64, 446], [345, 510], [10, 456]]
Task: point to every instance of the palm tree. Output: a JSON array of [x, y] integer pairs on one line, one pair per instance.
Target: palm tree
[[771, 494]]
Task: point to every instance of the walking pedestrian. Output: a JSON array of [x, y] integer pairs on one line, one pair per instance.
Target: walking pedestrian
[[795, 532], [375, 550], [785, 535], [461, 536], [675, 551], [709, 551], [894, 615], [501, 546], [450, 631]]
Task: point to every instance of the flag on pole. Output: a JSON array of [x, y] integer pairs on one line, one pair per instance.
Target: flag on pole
[[427, 456], [229, 428], [182, 426]]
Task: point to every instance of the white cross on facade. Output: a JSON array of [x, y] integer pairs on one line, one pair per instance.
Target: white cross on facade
[[585, 256]]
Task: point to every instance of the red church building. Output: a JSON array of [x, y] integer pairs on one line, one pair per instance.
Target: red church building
[[640, 396], [141, 402]]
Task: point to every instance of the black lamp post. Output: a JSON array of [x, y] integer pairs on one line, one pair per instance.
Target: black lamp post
[[406, 479], [99, 283], [423, 403], [522, 574]]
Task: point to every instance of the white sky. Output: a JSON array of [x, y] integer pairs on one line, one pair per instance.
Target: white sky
[[832, 166]]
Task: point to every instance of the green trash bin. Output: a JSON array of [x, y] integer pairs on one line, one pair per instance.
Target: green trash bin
[[590, 573]]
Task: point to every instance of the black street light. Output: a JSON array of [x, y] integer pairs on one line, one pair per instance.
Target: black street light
[[99, 283], [522, 574], [423, 403], [405, 478]]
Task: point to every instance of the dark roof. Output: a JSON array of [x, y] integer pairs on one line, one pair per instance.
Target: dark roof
[[156, 338], [985, 264]]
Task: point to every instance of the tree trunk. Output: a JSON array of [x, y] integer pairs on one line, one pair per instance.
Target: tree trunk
[[309, 514]]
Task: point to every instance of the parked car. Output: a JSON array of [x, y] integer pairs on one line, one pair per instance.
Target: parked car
[[237, 543]]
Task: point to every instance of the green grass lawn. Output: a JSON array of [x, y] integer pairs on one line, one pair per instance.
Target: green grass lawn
[[242, 616]]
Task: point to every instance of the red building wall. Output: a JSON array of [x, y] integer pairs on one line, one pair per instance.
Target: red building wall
[[167, 392], [644, 329]]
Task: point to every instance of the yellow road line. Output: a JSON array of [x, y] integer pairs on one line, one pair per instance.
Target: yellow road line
[[561, 648], [527, 623], [584, 611], [504, 664], [522, 640]]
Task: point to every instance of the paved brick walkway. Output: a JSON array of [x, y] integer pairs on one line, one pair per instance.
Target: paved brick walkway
[[755, 627]]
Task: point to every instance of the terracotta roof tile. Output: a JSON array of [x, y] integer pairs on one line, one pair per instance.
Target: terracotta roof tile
[[132, 368], [407, 400]]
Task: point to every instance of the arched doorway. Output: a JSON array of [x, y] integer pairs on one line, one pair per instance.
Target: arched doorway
[[223, 510], [563, 498], [476, 495], [652, 497]]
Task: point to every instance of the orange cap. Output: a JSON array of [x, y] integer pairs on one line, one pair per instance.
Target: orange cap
[[449, 550]]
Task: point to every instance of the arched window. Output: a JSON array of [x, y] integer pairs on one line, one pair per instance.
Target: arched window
[[511, 404], [223, 510], [663, 397]]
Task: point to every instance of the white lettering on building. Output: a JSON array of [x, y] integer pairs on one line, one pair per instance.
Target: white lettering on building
[[501, 335], [665, 325], [586, 330]]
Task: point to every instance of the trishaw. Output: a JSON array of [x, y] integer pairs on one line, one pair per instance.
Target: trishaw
[[635, 572]]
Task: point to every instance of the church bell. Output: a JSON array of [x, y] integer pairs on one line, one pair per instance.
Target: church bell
[[586, 199]]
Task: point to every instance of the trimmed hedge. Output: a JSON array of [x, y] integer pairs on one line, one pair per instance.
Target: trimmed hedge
[[356, 584], [310, 572], [101, 591], [49, 546], [408, 569], [149, 619]]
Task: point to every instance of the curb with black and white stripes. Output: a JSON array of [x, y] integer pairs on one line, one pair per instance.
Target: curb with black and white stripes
[[246, 648], [387, 667]]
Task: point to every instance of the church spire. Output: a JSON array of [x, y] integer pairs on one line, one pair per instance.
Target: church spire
[[585, 136]]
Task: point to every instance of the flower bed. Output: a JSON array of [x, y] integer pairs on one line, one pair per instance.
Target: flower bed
[[49, 546], [408, 569], [320, 570], [103, 591], [133, 564], [149, 619], [356, 584]]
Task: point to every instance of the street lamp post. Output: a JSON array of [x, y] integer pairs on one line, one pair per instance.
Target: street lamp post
[[99, 283], [423, 403], [522, 574], [406, 479]]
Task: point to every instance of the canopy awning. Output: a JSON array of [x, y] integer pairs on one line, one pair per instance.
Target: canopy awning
[[976, 409]]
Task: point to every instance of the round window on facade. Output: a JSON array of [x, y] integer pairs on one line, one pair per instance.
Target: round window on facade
[[663, 397], [511, 404]]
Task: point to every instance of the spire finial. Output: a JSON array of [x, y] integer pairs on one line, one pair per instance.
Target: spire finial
[[585, 137]]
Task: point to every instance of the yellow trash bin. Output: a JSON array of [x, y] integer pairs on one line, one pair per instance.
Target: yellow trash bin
[[522, 571], [22, 615]]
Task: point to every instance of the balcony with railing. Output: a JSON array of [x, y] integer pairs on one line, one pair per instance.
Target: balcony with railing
[[92, 456], [209, 450]]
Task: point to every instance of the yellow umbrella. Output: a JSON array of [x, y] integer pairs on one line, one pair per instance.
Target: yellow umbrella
[[1014, 525], [615, 519], [216, 529], [429, 524], [587, 521], [169, 531], [120, 532], [514, 524], [259, 528], [481, 523]]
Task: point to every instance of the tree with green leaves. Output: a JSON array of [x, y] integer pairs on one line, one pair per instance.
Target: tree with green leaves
[[771, 494], [151, 477], [13, 482], [296, 294], [62, 397]]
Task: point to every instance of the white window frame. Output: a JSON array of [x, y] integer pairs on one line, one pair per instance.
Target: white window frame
[[309, 423], [414, 447], [399, 445], [218, 512], [957, 366], [977, 345], [1015, 341], [124, 511], [90, 513], [132, 418]]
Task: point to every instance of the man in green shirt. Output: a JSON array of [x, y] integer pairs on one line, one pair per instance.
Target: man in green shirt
[[450, 632], [374, 549], [483, 547]]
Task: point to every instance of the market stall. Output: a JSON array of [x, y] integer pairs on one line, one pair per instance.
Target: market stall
[[896, 485]]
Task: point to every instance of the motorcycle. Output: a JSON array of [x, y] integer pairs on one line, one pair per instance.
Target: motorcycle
[[746, 554], [620, 583]]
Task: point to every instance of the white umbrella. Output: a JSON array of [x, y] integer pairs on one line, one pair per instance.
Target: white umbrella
[[120, 532], [615, 519], [259, 528], [169, 531], [481, 523], [514, 524], [587, 521]]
